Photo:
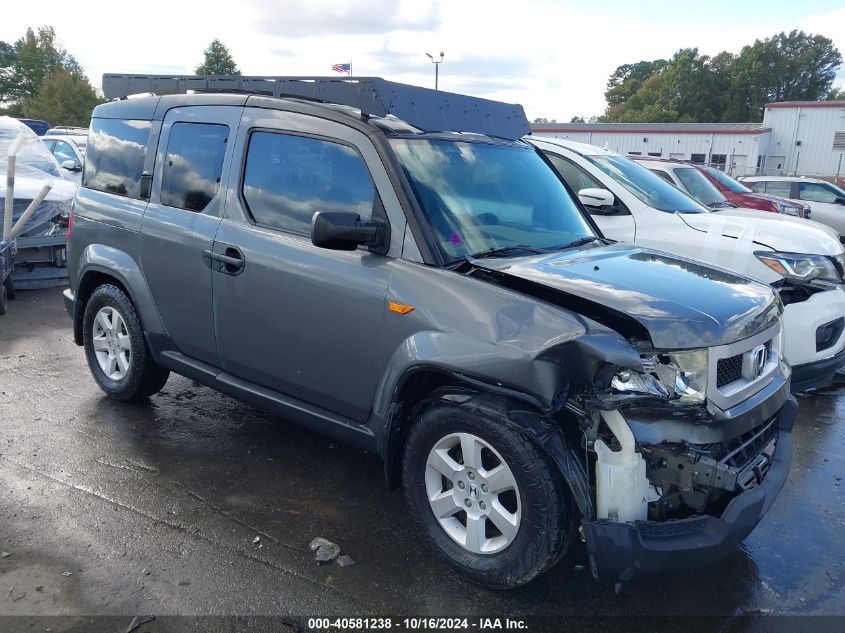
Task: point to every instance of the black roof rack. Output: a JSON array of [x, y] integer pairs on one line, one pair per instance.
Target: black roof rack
[[426, 109]]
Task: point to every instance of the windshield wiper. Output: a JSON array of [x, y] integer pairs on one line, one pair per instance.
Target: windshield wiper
[[504, 251], [724, 204], [581, 241]]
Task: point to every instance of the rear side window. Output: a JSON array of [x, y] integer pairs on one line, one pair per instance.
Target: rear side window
[[193, 165], [287, 178], [116, 152]]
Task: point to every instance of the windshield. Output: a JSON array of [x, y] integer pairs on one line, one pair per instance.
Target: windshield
[[480, 196], [646, 186], [699, 187], [727, 182]]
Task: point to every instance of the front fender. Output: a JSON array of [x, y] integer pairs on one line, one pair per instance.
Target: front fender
[[110, 261]]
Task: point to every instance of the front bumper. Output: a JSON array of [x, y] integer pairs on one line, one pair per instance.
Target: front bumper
[[622, 551], [818, 374], [800, 323]]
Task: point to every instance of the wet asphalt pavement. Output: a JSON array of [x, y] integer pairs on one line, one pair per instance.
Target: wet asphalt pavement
[[115, 509]]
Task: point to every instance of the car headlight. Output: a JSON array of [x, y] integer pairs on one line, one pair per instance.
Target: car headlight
[[800, 267], [788, 209], [675, 376]]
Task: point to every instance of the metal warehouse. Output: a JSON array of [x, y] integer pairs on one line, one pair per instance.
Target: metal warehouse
[[795, 138]]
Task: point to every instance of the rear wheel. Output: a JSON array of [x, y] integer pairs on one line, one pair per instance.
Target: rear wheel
[[115, 349], [484, 497]]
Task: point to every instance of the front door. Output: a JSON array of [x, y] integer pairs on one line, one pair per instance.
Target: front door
[[824, 207], [616, 223], [181, 220], [298, 319]]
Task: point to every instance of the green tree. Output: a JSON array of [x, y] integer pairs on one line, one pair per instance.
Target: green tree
[[25, 64], [64, 98], [697, 88], [835, 94], [793, 66], [217, 60], [627, 79]]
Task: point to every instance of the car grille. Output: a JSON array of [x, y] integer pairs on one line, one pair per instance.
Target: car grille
[[742, 450], [728, 370]]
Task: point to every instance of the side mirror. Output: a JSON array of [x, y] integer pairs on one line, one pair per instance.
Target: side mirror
[[341, 231], [596, 198], [71, 165]]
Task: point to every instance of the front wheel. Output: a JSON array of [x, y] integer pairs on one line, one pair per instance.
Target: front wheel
[[115, 349], [484, 497]]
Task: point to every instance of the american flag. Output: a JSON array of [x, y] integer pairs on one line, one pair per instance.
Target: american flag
[[342, 68]]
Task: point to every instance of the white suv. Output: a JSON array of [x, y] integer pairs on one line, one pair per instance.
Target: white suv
[[803, 259], [826, 200]]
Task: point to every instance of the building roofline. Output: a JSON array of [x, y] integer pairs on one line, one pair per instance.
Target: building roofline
[[806, 104]]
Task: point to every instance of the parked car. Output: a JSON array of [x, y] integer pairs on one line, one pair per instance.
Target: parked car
[[40, 259], [69, 152], [419, 283], [742, 196], [826, 200], [36, 125], [802, 259], [693, 180]]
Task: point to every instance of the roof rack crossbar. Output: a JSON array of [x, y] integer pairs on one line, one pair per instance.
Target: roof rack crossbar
[[426, 109]]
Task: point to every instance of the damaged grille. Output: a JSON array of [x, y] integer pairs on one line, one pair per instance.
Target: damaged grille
[[728, 370], [742, 450]]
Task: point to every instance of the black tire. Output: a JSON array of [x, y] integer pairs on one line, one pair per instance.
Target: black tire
[[10, 288], [548, 521], [144, 377], [4, 301]]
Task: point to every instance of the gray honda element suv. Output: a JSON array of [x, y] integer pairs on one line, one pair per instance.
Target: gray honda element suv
[[392, 266]]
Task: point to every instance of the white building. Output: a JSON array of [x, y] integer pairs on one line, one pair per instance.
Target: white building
[[805, 138]]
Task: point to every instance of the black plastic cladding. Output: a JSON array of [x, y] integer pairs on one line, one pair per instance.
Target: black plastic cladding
[[426, 109]]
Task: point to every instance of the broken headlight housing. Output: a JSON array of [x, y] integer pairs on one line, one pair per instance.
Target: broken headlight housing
[[801, 268], [678, 376]]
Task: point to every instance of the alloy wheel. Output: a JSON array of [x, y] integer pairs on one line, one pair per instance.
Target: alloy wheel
[[112, 346], [473, 493]]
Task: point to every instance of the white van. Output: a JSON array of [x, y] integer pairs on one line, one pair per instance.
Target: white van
[[803, 259]]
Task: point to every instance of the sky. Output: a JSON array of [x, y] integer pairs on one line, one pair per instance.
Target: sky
[[552, 56]]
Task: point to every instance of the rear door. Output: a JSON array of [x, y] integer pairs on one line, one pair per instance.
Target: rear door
[[302, 320], [181, 219]]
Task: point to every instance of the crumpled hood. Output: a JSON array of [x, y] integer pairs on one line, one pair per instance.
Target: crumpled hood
[[681, 304], [779, 232]]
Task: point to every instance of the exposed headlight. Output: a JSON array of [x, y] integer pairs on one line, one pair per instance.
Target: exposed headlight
[[677, 376], [800, 267], [788, 209]]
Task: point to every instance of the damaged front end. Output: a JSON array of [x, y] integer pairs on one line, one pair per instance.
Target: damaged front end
[[686, 455]]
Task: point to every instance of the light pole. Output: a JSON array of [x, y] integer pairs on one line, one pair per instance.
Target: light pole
[[436, 63]]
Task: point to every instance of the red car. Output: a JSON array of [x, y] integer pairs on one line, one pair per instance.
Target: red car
[[742, 196]]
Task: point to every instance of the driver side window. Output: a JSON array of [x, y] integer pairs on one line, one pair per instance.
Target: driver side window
[[578, 179], [815, 192]]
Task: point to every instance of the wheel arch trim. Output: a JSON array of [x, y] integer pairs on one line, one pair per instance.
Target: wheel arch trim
[[107, 261]]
